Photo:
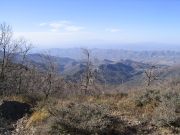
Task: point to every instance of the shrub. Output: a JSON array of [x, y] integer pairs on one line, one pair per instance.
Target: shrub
[[83, 118], [148, 97], [31, 99], [167, 113]]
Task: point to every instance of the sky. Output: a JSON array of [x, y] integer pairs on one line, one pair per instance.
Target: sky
[[94, 23]]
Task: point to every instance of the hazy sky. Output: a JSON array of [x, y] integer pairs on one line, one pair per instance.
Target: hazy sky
[[60, 23]]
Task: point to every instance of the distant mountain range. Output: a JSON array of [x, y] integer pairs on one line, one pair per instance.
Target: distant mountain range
[[156, 57], [106, 71], [116, 70]]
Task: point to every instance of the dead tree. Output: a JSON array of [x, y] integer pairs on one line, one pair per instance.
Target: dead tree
[[87, 78], [50, 75], [11, 68], [24, 49], [152, 74], [5, 46]]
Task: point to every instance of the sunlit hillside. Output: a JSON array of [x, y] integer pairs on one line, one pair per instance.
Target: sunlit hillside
[[90, 67]]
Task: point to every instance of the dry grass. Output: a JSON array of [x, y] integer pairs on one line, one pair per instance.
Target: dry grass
[[29, 99], [18, 98], [121, 106], [38, 116]]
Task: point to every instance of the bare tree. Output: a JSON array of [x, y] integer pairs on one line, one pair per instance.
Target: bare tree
[[12, 72], [24, 49], [50, 75], [88, 77], [5, 46], [152, 74]]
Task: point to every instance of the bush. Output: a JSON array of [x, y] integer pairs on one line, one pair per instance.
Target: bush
[[148, 97], [83, 119], [167, 113], [165, 110]]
